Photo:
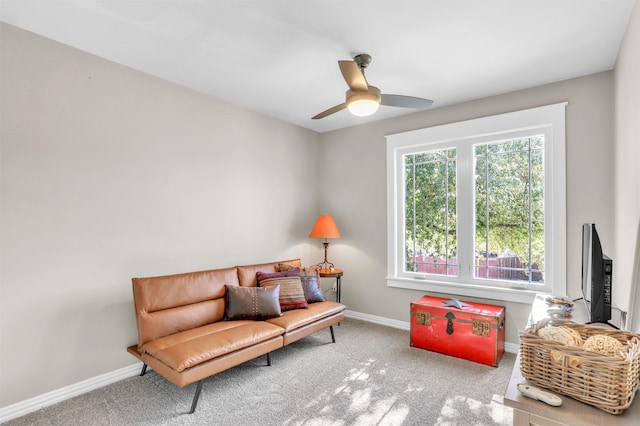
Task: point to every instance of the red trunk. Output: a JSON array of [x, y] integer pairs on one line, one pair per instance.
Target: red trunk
[[473, 332]]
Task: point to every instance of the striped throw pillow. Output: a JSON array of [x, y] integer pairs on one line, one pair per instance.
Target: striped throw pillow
[[291, 292]]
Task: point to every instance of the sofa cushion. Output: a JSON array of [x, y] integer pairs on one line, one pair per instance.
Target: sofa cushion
[[192, 347], [252, 303], [291, 292], [168, 304], [292, 320]]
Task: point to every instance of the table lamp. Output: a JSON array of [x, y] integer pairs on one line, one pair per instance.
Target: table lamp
[[325, 228]]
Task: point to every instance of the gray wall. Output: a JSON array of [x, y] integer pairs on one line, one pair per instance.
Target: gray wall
[[358, 166], [627, 164], [108, 173]]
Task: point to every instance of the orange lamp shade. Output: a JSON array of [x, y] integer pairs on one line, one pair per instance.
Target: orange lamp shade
[[325, 227]]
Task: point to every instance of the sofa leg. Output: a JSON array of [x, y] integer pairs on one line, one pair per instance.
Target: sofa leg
[[144, 370], [196, 397], [333, 337], [269, 359]]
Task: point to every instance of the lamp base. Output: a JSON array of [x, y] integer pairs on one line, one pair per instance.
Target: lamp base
[[326, 265]]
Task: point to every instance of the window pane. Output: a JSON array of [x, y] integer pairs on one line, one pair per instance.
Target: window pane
[[537, 142], [505, 147], [509, 217], [537, 216], [430, 212], [427, 157]]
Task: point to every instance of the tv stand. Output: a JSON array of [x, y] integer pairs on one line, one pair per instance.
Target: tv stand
[[527, 411], [617, 315]]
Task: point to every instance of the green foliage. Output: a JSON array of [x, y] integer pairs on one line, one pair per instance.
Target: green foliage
[[430, 213], [509, 201]]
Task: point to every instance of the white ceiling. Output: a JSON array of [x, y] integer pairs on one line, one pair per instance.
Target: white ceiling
[[279, 57]]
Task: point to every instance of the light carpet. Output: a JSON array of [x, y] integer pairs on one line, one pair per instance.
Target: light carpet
[[370, 376]]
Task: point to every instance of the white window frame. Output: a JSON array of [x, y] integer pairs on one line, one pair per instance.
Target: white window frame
[[548, 120]]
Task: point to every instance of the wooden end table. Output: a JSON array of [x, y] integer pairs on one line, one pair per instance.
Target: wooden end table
[[333, 273]]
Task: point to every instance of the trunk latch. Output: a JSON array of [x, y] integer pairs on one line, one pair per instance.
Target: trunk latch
[[450, 318]]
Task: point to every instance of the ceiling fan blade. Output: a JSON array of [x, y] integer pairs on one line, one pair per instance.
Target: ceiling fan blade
[[353, 76], [404, 101], [330, 111]]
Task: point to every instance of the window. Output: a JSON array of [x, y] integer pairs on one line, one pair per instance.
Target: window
[[509, 210], [477, 208], [430, 212]]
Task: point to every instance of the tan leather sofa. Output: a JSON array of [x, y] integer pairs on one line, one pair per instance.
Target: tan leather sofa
[[184, 337]]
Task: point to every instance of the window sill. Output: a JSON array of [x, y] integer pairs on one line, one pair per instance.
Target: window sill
[[485, 292]]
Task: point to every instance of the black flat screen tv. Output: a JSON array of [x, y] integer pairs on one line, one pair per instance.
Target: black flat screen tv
[[597, 276]]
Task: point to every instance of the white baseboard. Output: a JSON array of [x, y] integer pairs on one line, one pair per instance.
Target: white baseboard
[[404, 325], [33, 404]]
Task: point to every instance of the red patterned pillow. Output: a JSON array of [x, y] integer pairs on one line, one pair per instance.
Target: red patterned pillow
[[291, 292]]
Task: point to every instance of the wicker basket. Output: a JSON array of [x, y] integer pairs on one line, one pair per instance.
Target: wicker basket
[[605, 382]]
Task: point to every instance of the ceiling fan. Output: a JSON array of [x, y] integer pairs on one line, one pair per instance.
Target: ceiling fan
[[363, 99]]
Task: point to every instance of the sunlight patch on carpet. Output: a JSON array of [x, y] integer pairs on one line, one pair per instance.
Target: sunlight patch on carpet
[[356, 400], [413, 388], [384, 412], [462, 410], [361, 399]]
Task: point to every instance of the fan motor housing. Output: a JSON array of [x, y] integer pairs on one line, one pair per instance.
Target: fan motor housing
[[373, 94]]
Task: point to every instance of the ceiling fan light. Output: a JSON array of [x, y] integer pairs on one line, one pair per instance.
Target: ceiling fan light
[[364, 104], [363, 107]]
